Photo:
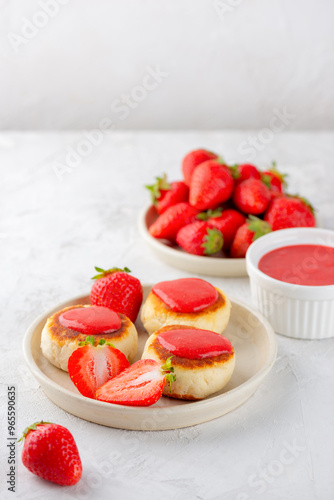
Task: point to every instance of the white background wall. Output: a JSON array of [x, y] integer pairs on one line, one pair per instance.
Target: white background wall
[[222, 63]]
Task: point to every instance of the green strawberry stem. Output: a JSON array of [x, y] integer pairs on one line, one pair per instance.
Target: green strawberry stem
[[168, 370], [213, 241], [234, 169], [32, 427], [155, 189], [258, 226], [90, 339], [103, 273], [209, 214]]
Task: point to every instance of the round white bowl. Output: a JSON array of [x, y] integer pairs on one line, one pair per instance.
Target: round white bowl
[[176, 257], [298, 311]]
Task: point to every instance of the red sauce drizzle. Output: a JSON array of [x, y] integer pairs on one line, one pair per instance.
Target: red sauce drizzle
[[91, 320], [186, 295], [192, 343]]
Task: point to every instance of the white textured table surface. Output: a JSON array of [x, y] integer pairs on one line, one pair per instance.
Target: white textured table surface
[[55, 228]]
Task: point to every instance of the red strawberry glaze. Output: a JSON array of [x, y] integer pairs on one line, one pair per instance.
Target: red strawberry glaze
[[91, 320], [194, 343], [186, 295], [308, 265]]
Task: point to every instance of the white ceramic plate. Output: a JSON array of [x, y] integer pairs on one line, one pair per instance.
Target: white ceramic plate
[[255, 347], [176, 257]]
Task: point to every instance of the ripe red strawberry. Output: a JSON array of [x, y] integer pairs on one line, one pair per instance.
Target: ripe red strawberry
[[164, 194], [251, 196], [246, 234], [118, 290], [139, 385], [50, 452], [244, 171], [199, 238], [91, 366], [285, 212], [274, 180], [226, 221], [170, 222], [211, 184], [192, 160]]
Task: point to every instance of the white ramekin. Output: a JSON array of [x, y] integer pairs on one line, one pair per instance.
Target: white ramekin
[[298, 311]]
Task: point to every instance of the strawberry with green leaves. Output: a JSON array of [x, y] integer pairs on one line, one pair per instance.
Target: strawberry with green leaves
[[50, 452], [198, 238], [165, 194], [168, 224], [226, 221], [90, 366], [117, 290], [192, 160], [253, 229], [244, 171], [274, 180], [139, 385], [211, 185], [251, 196], [290, 211]]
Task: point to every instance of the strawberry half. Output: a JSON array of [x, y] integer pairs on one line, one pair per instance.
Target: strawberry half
[[91, 366], [139, 385], [50, 452], [165, 194], [118, 290]]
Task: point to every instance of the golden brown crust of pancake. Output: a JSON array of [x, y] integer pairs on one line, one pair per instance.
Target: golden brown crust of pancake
[[194, 364], [60, 333]]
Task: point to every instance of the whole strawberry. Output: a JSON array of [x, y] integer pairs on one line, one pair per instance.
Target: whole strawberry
[[192, 160], [165, 194], [50, 452], [251, 196], [199, 238], [246, 234], [211, 184], [274, 180], [170, 222], [245, 171], [226, 221], [118, 290], [285, 212]]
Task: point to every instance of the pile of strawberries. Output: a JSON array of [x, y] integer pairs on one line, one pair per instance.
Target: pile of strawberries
[[220, 210]]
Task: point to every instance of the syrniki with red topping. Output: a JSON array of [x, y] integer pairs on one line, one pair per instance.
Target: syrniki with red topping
[[203, 361], [65, 329], [186, 301]]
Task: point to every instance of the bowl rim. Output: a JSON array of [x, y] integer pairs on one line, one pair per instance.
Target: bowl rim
[[279, 236]]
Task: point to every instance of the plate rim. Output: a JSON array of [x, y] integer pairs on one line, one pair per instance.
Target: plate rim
[[45, 381]]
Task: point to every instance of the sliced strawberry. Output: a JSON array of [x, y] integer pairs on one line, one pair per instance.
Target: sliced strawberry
[[91, 366], [170, 222], [165, 194], [139, 385]]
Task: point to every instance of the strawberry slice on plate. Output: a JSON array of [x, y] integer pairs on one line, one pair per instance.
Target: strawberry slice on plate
[[139, 385], [91, 366]]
